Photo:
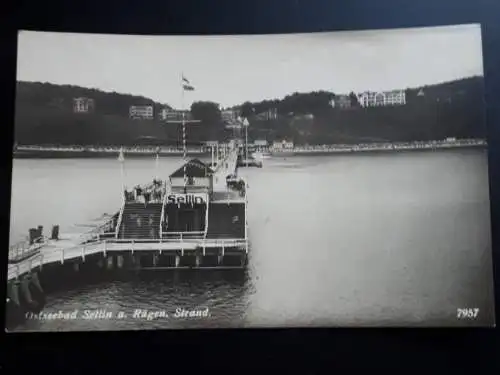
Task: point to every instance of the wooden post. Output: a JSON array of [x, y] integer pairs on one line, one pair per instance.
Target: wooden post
[[110, 262], [62, 256], [83, 253]]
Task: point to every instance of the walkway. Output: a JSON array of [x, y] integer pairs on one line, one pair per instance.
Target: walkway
[[225, 166], [64, 250]]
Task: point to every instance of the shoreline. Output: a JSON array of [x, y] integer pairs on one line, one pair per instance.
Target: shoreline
[[59, 154], [43, 152]]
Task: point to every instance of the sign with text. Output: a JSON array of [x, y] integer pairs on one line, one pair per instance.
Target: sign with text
[[192, 198]]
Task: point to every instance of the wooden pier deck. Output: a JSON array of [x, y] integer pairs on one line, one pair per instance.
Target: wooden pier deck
[[228, 165], [61, 251]]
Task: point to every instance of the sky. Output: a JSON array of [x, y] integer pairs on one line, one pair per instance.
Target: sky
[[233, 69]]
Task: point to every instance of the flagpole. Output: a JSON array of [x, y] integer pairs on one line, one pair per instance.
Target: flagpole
[[122, 176], [184, 153], [157, 164], [121, 159]]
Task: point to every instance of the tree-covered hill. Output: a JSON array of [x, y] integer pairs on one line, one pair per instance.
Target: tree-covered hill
[[44, 115], [450, 109]]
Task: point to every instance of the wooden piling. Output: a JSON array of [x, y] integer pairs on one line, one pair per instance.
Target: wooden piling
[[110, 262], [120, 261]]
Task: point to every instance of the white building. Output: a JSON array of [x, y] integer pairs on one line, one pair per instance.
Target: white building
[[141, 112], [283, 145], [385, 98], [396, 97], [341, 101], [175, 116], [270, 114], [83, 105], [163, 115]]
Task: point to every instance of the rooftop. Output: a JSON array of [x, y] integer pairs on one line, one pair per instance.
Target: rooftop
[[194, 168]]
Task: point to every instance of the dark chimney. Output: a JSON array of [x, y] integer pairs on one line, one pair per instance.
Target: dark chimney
[[55, 232], [33, 235]]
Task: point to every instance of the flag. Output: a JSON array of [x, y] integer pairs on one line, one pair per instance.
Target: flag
[[186, 85]]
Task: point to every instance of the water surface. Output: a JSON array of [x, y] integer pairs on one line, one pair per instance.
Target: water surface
[[342, 240]]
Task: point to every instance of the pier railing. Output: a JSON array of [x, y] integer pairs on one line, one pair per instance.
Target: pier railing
[[16, 269], [183, 235], [177, 237], [24, 249], [120, 217], [227, 241]]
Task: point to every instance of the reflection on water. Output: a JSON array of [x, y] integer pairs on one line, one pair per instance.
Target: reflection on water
[[386, 239]]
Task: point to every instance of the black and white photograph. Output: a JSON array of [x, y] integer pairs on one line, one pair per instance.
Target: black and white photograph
[[332, 179]]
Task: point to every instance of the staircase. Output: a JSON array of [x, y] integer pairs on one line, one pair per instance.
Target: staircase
[[140, 221]]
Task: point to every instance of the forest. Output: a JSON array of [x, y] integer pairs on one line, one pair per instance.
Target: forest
[[44, 115]]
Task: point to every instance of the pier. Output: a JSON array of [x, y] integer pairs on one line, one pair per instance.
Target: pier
[[65, 250], [226, 166], [120, 244], [26, 256]]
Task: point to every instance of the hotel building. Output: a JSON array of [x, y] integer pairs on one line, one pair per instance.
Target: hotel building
[[83, 105], [384, 98], [141, 112]]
